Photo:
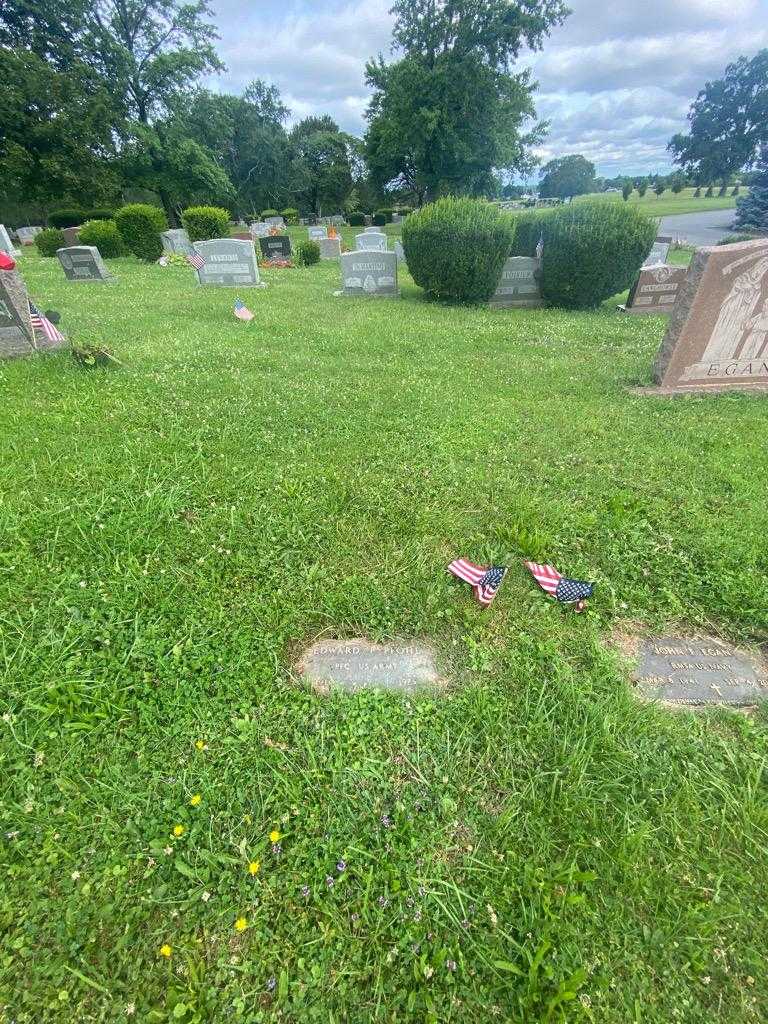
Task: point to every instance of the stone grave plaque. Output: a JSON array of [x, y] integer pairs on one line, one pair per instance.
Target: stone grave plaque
[[717, 336], [276, 247], [6, 245], [655, 290], [659, 251], [330, 248], [371, 240], [398, 250], [316, 232], [353, 665], [259, 229], [83, 263], [274, 222], [368, 272], [699, 671], [17, 337], [336, 221], [27, 235], [177, 241], [229, 263], [518, 285]]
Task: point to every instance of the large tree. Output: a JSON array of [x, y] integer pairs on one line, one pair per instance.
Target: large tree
[[571, 175], [728, 122], [449, 111], [321, 168], [752, 209]]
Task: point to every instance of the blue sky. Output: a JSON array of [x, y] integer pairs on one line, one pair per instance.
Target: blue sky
[[615, 81]]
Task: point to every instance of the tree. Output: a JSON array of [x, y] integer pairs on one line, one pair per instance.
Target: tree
[[728, 121], [449, 112], [677, 183], [752, 209], [567, 176], [321, 171], [626, 190], [659, 188], [642, 187]]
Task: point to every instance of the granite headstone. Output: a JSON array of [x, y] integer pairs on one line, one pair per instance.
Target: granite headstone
[[354, 665], [83, 263], [276, 247], [659, 251], [6, 245], [316, 232], [330, 248], [177, 241], [371, 240], [27, 234], [229, 263], [275, 222], [16, 335], [259, 229], [71, 235], [368, 272], [518, 285], [655, 290]]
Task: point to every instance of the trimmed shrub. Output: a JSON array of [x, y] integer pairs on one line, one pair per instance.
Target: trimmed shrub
[[592, 251], [66, 218], [455, 248], [269, 213], [100, 213], [290, 215], [378, 220], [385, 212], [204, 222], [49, 241], [105, 236], [307, 254], [529, 228], [140, 225], [355, 220]]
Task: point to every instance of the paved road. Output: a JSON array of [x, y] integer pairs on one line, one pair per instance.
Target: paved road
[[705, 228]]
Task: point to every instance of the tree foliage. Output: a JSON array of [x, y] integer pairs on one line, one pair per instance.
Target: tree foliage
[[321, 170], [752, 209], [572, 175]]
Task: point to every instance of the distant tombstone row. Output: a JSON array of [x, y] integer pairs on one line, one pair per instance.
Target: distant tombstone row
[[259, 229], [18, 336], [518, 286], [6, 245], [659, 251], [83, 263], [655, 290], [275, 247], [369, 272], [275, 222], [176, 241], [376, 240], [228, 262]]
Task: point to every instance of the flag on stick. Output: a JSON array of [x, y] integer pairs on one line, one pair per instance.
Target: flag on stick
[[43, 324], [241, 311], [564, 590], [485, 580], [194, 259]]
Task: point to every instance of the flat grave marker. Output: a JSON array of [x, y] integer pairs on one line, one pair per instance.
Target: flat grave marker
[[353, 665], [229, 263], [655, 290], [83, 263], [368, 272], [276, 247], [518, 286], [659, 251], [371, 240]]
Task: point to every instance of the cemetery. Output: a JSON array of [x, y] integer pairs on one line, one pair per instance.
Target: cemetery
[[378, 661]]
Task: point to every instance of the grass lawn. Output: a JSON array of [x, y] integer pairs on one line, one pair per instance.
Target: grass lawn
[[669, 203], [537, 846]]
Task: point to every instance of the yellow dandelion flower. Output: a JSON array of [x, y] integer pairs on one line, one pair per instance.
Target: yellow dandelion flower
[[254, 867], [199, 744], [196, 800], [274, 836], [165, 950], [178, 830], [241, 924]]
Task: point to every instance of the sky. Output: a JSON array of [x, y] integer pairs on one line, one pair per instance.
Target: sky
[[615, 81]]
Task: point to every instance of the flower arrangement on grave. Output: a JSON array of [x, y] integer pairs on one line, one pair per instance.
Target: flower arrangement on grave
[[332, 232], [274, 230], [276, 263]]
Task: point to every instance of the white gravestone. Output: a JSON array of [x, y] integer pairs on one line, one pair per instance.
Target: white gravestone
[[399, 251], [229, 263], [518, 285], [27, 235], [369, 272], [659, 251], [177, 241], [316, 232], [83, 263], [371, 240]]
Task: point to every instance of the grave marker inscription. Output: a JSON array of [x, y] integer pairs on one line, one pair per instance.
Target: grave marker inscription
[[356, 665], [518, 285], [659, 251], [83, 263], [655, 290], [275, 247], [371, 240], [368, 272], [229, 263]]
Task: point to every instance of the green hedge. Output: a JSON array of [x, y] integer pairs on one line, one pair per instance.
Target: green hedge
[[290, 215], [455, 248], [307, 254], [105, 236], [140, 225], [49, 240], [355, 220], [379, 220], [70, 218], [100, 213], [204, 222], [529, 228], [269, 213]]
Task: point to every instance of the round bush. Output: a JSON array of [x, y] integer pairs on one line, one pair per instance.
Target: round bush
[[592, 251], [529, 228], [105, 236], [66, 218], [307, 254], [378, 220], [269, 213], [290, 215], [140, 225], [204, 222], [355, 220], [49, 241], [385, 212], [455, 248], [100, 213]]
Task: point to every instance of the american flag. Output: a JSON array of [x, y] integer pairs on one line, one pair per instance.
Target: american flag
[[485, 580], [560, 587], [42, 323], [194, 259], [540, 247], [241, 311]]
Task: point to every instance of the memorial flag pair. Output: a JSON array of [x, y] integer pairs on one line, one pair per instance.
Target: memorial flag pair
[[486, 580]]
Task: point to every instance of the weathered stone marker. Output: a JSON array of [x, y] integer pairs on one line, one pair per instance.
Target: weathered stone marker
[[83, 263], [27, 234], [330, 248], [6, 245], [275, 247], [717, 336], [655, 290], [518, 285], [659, 251], [17, 337], [359, 665], [229, 263], [177, 241], [259, 229], [699, 671], [369, 273], [371, 240], [71, 235], [316, 232]]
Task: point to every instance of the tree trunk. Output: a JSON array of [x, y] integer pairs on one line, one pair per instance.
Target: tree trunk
[[170, 212]]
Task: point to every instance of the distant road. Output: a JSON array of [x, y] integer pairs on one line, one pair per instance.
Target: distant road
[[699, 228]]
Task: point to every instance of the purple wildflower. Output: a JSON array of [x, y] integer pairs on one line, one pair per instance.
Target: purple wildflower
[[386, 821], [341, 866], [329, 881], [305, 891], [271, 985], [383, 901]]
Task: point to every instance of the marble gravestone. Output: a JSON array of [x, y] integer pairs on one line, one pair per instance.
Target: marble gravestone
[[518, 285], [276, 247], [717, 337], [17, 337], [229, 263], [698, 671], [659, 251], [259, 229], [177, 241], [316, 232], [655, 290], [330, 248], [83, 263], [6, 245], [353, 665], [371, 240], [27, 235], [274, 222], [368, 272]]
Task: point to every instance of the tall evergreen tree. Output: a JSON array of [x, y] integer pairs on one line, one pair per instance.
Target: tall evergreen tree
[[752, 209]]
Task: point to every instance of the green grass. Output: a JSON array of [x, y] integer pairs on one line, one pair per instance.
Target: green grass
[[668, 203], [174, 530]]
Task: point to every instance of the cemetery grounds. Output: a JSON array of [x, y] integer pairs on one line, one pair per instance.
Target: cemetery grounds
[[190, 835]]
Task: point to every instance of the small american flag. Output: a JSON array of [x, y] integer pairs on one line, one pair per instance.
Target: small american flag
[[540, 247], [560, 587], [43, 324], [194, 259], [241, 311], [485, 580]]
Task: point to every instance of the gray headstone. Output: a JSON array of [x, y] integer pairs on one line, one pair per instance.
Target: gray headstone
[[697, 671], [659, 251], [518, 285], [376, 229], [177, 241], [359, 665], [71, 235], [655, 290], [259, 229], [275, 222], [368, 272], [27, 234], [83, 263], [330, 248], [398, 250], [276, 247], [371, 240], [229, 263], [336, 220], [6, 245], [317, 231], [16, 335]]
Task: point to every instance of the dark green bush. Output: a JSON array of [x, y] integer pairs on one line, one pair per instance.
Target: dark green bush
[[49, 241], [204, 222], [455, 248], [269, 213], [140, 225], [355, 220], [529, 228], [290, 215], [306, 254], [593, 250], [378, 220], [71, 218], [385, 212], [105, 236], [100, 213]]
